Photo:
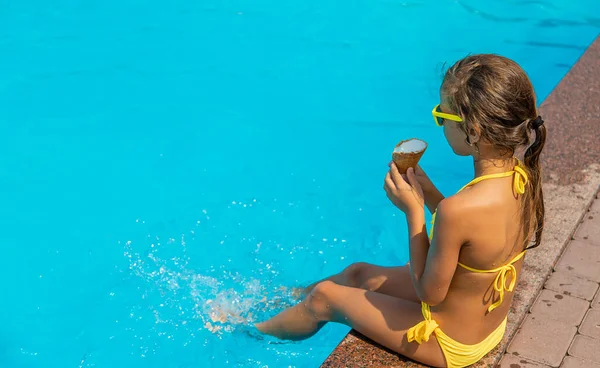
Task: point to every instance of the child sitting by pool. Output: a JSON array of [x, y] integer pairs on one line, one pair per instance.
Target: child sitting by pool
[[448, 307]]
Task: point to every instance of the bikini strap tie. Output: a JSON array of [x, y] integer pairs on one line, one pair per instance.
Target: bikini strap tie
[[423, 330], [520, 179], [508, 271]]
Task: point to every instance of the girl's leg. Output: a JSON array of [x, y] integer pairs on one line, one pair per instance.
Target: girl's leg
[[382, 318], [394, 281]]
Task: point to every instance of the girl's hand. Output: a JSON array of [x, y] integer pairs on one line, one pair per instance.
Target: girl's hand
[[431, 194], [404, 191], [423, 179]]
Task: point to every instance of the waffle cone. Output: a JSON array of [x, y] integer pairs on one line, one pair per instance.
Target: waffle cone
[[404, 160]]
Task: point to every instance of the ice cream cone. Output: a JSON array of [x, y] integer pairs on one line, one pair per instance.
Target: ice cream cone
[[407, 153]]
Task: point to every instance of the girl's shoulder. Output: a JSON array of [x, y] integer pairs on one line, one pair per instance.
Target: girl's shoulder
[[470, 206]]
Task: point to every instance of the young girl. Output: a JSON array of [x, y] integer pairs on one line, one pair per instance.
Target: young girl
[[448, 306]]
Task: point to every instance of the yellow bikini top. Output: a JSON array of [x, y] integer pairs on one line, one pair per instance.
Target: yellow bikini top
[[519, 181]]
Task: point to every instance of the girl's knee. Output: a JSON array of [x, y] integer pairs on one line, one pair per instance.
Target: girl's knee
[[320, 301], [356, 274], [323, 290]]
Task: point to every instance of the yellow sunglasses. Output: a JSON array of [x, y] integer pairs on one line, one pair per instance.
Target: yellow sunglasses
[[439, 116]]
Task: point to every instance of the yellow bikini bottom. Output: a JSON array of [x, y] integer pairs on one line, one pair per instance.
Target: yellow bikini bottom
[[456, 354]]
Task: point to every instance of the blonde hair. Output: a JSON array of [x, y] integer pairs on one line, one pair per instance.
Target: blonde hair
[[495, 97]]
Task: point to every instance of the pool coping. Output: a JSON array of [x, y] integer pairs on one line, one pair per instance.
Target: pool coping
[[571, 164]]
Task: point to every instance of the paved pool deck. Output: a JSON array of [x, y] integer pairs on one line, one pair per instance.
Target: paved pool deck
[[554, 320], [562, 328]]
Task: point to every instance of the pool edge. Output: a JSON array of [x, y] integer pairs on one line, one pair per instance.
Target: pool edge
[[571, 180]]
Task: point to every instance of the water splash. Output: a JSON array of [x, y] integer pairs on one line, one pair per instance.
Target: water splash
[[182, 298], [196, 290]]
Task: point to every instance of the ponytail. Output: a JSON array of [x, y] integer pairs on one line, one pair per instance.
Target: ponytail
[[534, 201]]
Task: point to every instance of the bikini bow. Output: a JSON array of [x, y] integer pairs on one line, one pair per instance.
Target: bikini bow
[[423, 330], [500, 283]]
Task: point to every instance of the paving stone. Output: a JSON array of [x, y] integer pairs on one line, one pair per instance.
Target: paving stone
[[542, 340], [515, 361], [589, 230], [591, 324], [586, 348], [573, 362], [563, 308], [568, 284], [581, 259], [596, 301]]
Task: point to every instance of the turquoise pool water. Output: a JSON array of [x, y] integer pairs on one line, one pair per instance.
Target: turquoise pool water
[[165, 164]]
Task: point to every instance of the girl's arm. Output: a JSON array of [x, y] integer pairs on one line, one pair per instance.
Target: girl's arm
[[432, 265]]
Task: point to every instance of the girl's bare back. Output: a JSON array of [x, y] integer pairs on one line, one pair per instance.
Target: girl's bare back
[[490, 208]]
